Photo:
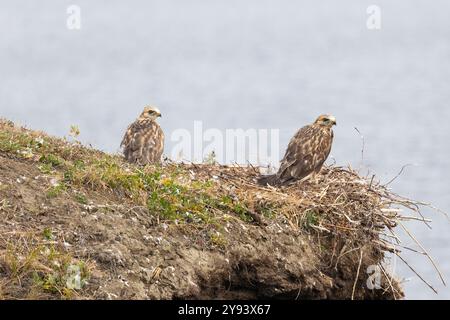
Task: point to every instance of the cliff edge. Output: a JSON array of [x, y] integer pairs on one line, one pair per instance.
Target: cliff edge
[[77, 223]]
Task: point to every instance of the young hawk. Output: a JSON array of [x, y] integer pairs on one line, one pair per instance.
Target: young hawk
[[143, 142], [305, 154]]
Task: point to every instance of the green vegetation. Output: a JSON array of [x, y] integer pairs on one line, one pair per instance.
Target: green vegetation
[[81, 198], [50, 268], [56, 190], [168, 192], [311, 219], [218, 240], [47, 233]]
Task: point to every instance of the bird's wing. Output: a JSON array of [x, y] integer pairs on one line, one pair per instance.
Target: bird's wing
[[301, 157], [324, 144], [136, 134]]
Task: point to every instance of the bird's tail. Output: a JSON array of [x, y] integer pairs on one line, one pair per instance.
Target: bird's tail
[[271, 180]]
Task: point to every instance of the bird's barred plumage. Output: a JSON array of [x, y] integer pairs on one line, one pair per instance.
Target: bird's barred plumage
[[143, 142], [305, 154]]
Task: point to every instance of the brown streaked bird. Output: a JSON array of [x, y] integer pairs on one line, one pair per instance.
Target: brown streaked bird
[[143, 142], [305, 154]]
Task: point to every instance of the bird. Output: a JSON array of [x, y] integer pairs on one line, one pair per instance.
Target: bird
[[143, 142], [305, 154]]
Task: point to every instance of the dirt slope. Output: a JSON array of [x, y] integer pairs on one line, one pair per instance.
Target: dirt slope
[[76, 223]]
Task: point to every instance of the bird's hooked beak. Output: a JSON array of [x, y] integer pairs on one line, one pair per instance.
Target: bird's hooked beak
[[333, 121]]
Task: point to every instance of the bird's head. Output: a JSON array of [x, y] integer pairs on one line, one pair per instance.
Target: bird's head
[[326, 120], [150, 112]]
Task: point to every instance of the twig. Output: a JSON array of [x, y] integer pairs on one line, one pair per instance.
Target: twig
[[371, 181], [398, 174], [363, 145], [357, 273], [425, 251], [389, 280], [253, 168], [414, 218], [436, 209], [417, 274], [411, 249]]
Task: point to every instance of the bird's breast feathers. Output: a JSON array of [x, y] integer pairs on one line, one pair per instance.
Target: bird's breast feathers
[[141, 132]]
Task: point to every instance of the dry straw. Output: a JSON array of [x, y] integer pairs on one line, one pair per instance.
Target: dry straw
[[341, 204]]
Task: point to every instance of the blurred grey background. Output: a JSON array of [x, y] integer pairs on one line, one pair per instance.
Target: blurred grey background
[[249, 64]]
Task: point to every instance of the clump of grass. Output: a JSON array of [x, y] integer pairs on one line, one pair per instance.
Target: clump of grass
[[67, 276], [56, 190], [48, 163], [45, 168], [311, 218], [48, 234], [13, 142], [49, 268], [342, 205], [168, 193], [174, 201], [218, 240], [81, 198], [51, 160], [268, 211], [242, 212], [71, 171]]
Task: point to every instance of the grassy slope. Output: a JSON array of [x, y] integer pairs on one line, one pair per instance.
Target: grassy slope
[[79, 223]]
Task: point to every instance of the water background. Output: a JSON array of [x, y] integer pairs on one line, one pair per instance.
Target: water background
[[249, 64]]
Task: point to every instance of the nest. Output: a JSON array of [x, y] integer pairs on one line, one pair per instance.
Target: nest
[[352, 220], [342, 209]]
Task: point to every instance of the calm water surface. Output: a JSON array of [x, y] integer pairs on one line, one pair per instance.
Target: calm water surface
[[249, 64]]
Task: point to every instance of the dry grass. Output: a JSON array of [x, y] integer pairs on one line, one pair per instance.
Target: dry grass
[[347, 216], [342, 204], [33, 265]]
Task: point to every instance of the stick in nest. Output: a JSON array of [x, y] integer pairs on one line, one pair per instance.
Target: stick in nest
[[424, 251], [357, 272], [417, 274]]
